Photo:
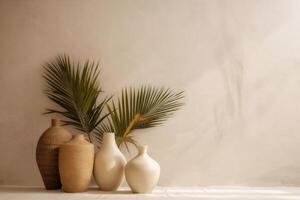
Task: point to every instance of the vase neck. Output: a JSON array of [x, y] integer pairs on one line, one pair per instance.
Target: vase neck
[[142, 150], [109, 141], [55, 122], [78, 139]]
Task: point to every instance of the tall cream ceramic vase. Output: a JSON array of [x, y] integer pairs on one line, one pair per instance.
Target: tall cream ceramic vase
[[47, 153], [142, 172], [76, 160], [109, 164]]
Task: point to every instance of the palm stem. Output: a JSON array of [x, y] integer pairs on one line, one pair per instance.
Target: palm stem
[[89, 137], [131, 124]]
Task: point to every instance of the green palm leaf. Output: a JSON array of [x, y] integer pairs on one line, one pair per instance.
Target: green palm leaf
[[140, 108], [75, 89]]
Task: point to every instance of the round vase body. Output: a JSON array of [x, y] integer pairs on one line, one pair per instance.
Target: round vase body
[[47, 154], [109, 164], [142, 172], [76, 159]]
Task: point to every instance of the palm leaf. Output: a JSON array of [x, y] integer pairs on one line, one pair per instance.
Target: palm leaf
[[75, 89], [140, 108]]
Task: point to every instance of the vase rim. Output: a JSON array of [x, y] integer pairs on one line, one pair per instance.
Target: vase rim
[[109, 134], [55, 122], [78, 139], [142, 149]]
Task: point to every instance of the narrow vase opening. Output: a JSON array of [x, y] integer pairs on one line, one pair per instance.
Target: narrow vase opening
[[142, 149], [78, 137], [108, 140], [55, 122]]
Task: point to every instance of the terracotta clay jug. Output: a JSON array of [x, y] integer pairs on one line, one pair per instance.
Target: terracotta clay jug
[[142, 172], [47, 154], [109, 164], [76, 160]]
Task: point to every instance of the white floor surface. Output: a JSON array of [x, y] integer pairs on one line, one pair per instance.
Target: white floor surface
[[164, 193]]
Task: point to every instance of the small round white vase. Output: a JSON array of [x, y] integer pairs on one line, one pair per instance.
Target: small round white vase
[[142, 172], [109, 164]]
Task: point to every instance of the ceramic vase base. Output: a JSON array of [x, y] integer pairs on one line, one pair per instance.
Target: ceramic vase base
[[52, 185], [74, 190], [142, 192]]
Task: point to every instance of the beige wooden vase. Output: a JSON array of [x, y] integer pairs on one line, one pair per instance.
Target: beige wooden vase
[[109, 164], [142, 172], [47, 154], [76, 159]]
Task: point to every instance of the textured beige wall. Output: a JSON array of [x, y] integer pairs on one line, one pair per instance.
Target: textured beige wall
[[238, 61]]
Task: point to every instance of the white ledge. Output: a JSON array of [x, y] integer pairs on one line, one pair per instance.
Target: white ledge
[[178, 193]]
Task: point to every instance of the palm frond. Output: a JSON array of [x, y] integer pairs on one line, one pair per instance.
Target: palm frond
[[140, 108], [75, 89]]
